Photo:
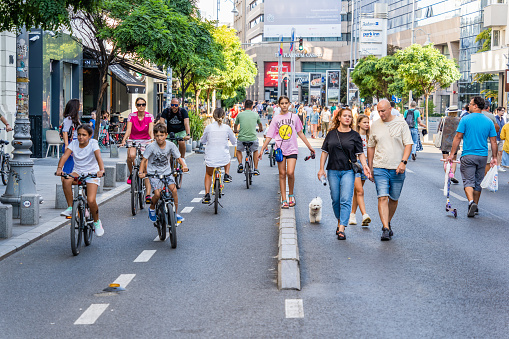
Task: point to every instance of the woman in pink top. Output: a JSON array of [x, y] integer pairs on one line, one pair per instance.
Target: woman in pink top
[[284, 129], [140, 127]]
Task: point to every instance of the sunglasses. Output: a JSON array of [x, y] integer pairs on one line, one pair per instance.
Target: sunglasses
[[174, 105], [140, 105]]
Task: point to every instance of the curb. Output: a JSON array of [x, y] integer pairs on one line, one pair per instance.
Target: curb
[[19, 242], [288, 256]]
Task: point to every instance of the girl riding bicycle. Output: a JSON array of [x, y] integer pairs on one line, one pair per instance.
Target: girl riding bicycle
[[87, 159], [217, 153]]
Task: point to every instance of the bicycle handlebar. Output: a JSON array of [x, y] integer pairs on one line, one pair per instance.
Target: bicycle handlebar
[[79, 177]]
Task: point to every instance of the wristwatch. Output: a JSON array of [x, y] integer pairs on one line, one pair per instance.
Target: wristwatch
[[404, 161]]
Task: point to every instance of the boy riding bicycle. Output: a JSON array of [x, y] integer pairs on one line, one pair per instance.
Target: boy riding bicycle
[[156, 159]]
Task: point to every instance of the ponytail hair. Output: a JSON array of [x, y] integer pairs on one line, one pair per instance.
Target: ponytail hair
[[218, 115]]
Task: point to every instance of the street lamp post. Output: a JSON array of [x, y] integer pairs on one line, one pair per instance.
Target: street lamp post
[[235, 11]]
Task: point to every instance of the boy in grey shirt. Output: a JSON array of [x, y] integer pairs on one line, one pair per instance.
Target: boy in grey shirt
[[156, 158]]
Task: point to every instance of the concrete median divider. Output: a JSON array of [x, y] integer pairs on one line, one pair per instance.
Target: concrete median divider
[[5, 221], [29, 209], [288, 254], [121, 171], [110, 176]]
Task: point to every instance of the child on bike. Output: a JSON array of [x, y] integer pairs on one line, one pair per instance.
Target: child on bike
[[156, 160], [87, 159]]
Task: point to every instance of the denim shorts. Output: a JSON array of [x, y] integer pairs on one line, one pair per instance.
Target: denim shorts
[[388, 183], [361, 174]]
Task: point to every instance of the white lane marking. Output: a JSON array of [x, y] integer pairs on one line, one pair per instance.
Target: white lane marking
[[124, 279], [145, 255], [294, 308], [202, 192], [196, 200], [409, 171], [452, 194], [157, 239], [187, 210], [91, 314]]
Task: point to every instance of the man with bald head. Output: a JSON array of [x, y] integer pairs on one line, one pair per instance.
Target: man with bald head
[[177, 121], [389, 146]]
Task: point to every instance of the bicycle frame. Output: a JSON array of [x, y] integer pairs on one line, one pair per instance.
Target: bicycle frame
[[217, 174]]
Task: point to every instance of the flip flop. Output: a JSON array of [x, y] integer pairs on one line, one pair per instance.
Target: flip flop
[[284, 204], [292, 203]]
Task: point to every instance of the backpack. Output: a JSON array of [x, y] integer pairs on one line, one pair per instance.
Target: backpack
[[410, 120], [70, 132]]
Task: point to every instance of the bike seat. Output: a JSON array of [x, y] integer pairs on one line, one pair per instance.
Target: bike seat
[[4, 142], [247, 144]]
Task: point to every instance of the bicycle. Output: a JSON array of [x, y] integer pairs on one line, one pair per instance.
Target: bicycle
[[82, 222], [174, 163], [165, 211], [272, 156], [5, 162], [248, 164], [138, 188], [217, 188]]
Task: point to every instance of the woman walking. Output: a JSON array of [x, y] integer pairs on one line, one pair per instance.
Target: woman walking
[[325, 120], [341, 147], [362, 127], [284, 129], [448, 127], [314, 120]]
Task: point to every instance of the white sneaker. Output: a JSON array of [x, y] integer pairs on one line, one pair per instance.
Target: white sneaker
[[98, 228], [353, 220], [366, 220], [501, 169], [67, 212]]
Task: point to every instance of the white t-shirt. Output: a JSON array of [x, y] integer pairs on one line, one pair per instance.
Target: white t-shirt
[[217, 150], [84, 158], [364, 144], [326, 116], [67, 125], [277, 110], [395, 112]]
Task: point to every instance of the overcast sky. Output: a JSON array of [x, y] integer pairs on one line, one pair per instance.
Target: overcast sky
[[209, 7]]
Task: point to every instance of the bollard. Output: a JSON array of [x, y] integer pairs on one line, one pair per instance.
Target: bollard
[[29, 209], [121, 171], [113, 151], [5, 221], [60, 202], [110, 176]]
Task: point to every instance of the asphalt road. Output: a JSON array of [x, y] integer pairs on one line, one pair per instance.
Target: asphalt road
[[439, 276]]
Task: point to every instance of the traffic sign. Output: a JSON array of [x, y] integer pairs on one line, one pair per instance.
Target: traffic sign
[[396, 99]]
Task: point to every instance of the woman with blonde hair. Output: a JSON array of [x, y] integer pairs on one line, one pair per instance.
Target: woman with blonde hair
[[217, 153]]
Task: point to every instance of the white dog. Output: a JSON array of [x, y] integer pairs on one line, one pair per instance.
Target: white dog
[[315, 210]]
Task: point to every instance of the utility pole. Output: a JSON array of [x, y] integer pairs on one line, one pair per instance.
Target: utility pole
[[292, 65], [411, 43], [280, 67], [169, 85]]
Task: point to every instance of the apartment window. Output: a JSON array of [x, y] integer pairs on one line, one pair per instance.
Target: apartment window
[[496, 38], [256, 39], [445, 51], [255, 3], [429, 12], [256, 21]]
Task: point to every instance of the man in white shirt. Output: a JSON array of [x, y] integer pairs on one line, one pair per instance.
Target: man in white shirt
[[394, 111]]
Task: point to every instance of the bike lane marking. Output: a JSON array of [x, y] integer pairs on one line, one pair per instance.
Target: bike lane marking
[[452, 194], [92, 313], [294, 308], [202, 192], [187, 210], [145, 255], [124, 279], [196, 200]]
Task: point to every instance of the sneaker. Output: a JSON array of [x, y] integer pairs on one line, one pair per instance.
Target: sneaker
[[366, 220], [390, 230], [476, 210], [454, 180], [414, 156], [148, 199], [501, 169], [67, 213], [256, 172], [353, 220], [472, 208], [129, 181], [227, 178], [152, 215], [206, 199], [240, 168], [386, 236], [98, 228], [180, 218]]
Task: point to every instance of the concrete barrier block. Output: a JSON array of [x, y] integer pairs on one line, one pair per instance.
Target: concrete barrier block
[[113, 151], [121, 171], [5, 221], [110, 176], [101, 186], [29, 209]]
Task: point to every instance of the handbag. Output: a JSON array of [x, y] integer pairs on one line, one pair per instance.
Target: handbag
[[355, 166], [438, 137]]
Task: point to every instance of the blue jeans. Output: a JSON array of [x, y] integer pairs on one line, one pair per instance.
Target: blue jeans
[[341, 185], [415, 138], [388, 183]]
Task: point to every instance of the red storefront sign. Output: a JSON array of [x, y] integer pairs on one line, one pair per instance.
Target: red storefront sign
[[271, 69]]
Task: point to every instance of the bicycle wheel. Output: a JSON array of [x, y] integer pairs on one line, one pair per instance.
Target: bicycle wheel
[[88, 230], [77, 221], [5, 169], [217, 193], [142, 192], [178, 178], [250, 172], [134, 190], [161, 222], [247, 170], [172, 224]]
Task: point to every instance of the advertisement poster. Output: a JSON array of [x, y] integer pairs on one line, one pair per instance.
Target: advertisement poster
[[271, 70], [333, 84], [315, 88]]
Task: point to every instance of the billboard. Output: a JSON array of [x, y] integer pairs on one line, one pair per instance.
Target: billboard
[[333, 83], [270, 74], [321, 19]]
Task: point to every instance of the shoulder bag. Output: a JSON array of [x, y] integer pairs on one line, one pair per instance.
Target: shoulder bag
[[353, 165], [438, 137]]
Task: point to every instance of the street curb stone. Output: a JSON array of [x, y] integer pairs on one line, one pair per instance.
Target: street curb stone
[[288, 253], [17, 243]]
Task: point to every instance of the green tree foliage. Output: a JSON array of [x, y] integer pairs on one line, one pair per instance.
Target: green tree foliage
[[240, 96], [426, 69], [486, 36]]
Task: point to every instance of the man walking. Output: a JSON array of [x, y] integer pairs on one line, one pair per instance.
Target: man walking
[[247, 121], [500, 143], [389, 147], [413, 119], [177, 121], [474, 129]]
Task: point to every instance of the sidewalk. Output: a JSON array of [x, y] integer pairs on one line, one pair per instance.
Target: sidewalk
[[50, 219]]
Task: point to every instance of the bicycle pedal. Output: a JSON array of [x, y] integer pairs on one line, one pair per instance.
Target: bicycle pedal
[[68, 217]]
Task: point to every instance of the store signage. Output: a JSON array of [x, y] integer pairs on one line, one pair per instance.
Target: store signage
[[371, 36], [333, 84], [271, 72], [370, 49], [300, 55], [372, 24]]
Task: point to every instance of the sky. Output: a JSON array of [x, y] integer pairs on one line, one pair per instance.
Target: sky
[[209, 7]]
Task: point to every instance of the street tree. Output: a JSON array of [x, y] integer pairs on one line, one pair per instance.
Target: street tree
[[425, 68]]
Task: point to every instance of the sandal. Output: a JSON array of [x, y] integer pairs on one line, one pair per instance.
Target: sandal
[[292, 201], [341, 236], [284, 204]]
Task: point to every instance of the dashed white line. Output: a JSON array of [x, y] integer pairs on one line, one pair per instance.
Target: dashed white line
[[92, 313], [157, 239], [294, 308], [409, 171], [187, 210], [124, 279], [452, 194], [145, 256], [202, 192], [196, 200]]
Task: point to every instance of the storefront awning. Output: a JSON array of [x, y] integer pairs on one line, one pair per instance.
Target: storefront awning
[[133, 85]]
